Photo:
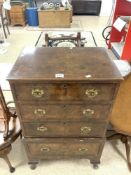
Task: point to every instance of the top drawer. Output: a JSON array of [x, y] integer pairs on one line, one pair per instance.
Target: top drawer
[[64, 92]]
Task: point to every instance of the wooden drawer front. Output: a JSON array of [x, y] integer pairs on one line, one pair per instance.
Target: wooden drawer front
[[43, 112], [87, 92], [64, 129], [57, 148]]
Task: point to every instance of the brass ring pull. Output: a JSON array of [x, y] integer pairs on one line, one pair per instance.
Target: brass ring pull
[[91, 93], [38, 93], [83, 149], [45, 149], [39, 112], [88, 112], [42, 128], [85, 130]]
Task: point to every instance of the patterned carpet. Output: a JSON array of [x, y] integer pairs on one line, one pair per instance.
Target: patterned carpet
[[88, 38]]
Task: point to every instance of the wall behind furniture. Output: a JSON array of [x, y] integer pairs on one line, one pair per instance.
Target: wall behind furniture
[[106, 7]]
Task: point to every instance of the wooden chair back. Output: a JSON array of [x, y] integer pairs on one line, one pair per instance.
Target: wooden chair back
[[121, 117], [121, 113], [3, 105], [78, 39], [4, 20], [10, 129]]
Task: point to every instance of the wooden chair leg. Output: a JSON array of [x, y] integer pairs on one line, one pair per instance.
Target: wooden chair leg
[[11, 168], [127, 145], [78, 39], [6, 129], [46, 40], [8, 29], [125, 140], [21, 135], [4, 32]]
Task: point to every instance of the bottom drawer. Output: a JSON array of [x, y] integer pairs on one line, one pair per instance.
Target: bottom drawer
[[63, 148]]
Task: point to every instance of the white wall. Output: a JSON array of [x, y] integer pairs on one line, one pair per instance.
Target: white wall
[[106, 7]]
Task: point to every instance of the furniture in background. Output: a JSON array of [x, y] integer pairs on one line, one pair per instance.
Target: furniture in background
[[9, 129], [120, 42], [4, 21], [88, 7], [17, 14], [32, 16], [120, 118], [70, 41], [86, 38], [62, 101], [55, 18], [80, 7]]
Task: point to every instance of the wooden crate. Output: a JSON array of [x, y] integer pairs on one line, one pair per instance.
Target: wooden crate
[[17, 8], [55, 18], [17, 15], [17, 19]]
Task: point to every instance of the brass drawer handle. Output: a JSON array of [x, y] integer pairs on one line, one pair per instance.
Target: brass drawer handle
[[38, 93], [45, 149], [85, 130], [88, 112], [83, 149], [42, 128], [39, 112], [91, 93]]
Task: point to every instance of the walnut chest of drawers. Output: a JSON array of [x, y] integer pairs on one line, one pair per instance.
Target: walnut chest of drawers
[[63, 98]]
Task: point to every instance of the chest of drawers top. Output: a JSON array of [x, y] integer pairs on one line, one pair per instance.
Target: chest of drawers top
[[58, 64]]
